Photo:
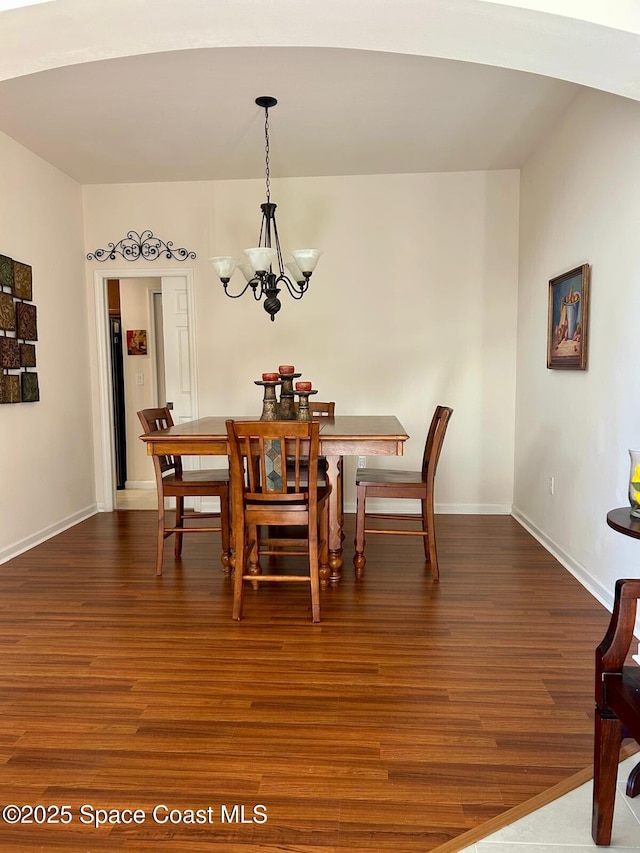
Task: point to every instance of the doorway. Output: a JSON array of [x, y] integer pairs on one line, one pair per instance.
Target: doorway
[[137, 379], [175, 351]]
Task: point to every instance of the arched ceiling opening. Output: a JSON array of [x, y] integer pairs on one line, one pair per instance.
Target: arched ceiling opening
[[126, 90]]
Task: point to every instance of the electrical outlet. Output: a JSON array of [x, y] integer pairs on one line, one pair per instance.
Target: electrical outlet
[[552, 485], [362, 461]]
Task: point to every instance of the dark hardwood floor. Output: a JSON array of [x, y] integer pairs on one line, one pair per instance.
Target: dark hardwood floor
[[414, 712]]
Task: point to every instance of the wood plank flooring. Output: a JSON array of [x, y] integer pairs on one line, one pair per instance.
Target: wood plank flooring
[[413, 713]]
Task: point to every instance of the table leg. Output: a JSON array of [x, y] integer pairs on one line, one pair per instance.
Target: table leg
[[334, 475]]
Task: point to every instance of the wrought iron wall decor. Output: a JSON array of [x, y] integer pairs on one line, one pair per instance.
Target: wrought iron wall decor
[[18, 324], [144, 246]]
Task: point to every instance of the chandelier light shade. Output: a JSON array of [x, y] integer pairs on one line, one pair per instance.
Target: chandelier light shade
[[263, 271]]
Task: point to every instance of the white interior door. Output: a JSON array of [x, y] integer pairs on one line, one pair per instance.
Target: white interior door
[[178, 369]]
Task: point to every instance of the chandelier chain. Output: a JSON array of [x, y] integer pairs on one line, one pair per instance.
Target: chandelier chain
[[266, 150]]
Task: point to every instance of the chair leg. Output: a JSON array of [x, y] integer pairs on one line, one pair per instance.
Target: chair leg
[[325, 568], [179, 522], [429, 539], [225, 534], [633, 782], [160, 536], [359, 559], [240, 562], [314, 573], [253, 552], [340, 488], [606, 755]]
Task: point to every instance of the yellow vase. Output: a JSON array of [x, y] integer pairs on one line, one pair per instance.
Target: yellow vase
[[634, 483]]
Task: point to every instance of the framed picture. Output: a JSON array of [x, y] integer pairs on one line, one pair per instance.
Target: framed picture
[[568, 318], [136, 341]]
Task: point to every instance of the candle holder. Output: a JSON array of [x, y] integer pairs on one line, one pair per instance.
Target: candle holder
[[287, 407], [269, 402], [304, 413]]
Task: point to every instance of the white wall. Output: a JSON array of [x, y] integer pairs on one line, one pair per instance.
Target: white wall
[[580, 202], [47, 467], [413, 303]]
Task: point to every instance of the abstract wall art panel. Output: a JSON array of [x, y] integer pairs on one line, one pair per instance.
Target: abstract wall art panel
[[7, 312], [10, 389], [30, 391], [9, 353], [27, 355], [27, 325], [6, 272], [18, 324], [22, 287]]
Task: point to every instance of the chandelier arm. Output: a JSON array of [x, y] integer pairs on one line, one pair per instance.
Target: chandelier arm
[[296, 290], [259, 288], [253, 284]]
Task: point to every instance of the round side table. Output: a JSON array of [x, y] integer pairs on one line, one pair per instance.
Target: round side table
[[620, 519]]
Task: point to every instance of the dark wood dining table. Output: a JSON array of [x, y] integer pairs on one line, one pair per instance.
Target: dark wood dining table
[[343, 435]]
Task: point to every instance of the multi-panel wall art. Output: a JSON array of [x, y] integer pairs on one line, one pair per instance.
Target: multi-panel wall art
[[18, 331]]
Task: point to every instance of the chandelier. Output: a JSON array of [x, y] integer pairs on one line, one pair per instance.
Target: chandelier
[[258, 269]]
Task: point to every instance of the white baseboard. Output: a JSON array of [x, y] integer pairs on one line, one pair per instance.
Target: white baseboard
[[603, 595], [140, 484], [41, 536]]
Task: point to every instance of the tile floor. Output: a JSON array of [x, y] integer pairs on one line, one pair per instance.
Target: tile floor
[[136, 499], [564, 826]]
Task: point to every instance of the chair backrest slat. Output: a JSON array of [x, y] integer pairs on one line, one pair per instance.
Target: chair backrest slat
[[434, 442], [155, 419]]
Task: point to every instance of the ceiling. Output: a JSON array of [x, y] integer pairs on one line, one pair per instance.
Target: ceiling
[[190, 115], [110, 93]]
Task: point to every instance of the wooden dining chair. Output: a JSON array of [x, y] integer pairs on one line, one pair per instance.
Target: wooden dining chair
[[617, 716], [318, 411], [273, 469], [174, 482], [391, 483], [322, 410]]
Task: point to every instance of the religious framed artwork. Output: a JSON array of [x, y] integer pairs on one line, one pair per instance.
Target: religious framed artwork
[[568, 320]]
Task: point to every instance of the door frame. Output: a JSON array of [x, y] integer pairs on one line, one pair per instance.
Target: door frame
[[106, 456]]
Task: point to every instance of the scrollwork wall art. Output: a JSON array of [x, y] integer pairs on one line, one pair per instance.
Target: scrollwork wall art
[[140, 245], [18, 325]]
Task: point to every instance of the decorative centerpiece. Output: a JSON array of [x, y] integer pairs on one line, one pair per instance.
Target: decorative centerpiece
[[285, 408]]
